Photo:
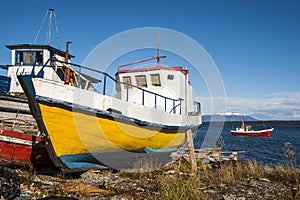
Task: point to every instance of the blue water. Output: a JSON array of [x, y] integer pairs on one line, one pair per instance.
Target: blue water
[[265, 150]]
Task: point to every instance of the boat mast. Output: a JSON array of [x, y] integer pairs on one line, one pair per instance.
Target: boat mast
[[51, 13], [158, 57], [158, 51]]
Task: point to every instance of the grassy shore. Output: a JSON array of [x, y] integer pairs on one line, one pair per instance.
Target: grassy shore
[[221, 180]]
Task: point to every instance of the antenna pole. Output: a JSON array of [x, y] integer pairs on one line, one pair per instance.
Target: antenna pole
[[49, 27], [158, 50], [158, 57]]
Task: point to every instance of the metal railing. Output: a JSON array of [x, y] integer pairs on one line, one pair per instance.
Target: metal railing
[[175, 102], [155, 98]]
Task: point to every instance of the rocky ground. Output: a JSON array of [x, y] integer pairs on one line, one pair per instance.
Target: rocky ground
[[216, 177], [171, 182]]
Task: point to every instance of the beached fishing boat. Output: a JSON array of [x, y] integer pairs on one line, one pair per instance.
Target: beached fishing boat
[[150, 114], [246, 130], [19, 148]]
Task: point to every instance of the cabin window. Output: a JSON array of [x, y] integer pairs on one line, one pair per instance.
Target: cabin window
[[19, 57], [141, 81], [170, 77], [127, 80], [155, 79], [39, 57], [29, 57]]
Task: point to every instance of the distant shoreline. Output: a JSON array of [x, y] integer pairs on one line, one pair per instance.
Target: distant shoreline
[[287, 122]]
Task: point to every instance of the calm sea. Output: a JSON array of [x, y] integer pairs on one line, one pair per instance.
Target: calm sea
[[266, 150]]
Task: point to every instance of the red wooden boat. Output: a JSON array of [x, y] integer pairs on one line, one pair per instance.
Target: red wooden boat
[[246, 130], [19, 148]]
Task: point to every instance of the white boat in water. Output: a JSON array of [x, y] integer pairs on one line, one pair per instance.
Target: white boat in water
[[150, 113]]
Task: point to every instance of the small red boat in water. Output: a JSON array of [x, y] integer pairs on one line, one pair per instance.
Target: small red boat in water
[[246, 130], [20, 148]]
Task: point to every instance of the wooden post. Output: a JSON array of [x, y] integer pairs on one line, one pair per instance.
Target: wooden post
[[189, 136], [191, 151]]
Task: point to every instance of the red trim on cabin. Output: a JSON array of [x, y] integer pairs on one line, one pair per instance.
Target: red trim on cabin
[[176, 68]]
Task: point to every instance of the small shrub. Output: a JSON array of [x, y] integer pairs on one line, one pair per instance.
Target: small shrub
[[291, 160], [174, 187]]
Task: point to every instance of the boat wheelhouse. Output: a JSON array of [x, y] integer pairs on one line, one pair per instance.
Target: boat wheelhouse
[[28, 58], [158, 86]]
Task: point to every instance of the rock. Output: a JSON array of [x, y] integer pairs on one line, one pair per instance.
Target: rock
[[139, 189], [229, 197], [253, 183]]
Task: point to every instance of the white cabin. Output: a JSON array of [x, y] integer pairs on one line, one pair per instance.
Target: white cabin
[[25, 57], [158, 83]]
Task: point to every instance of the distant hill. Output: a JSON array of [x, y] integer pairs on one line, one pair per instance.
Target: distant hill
[[227, 117]]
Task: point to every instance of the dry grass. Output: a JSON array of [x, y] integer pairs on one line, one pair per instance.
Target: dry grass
[[210, 182], [179, 187], [214, 180]]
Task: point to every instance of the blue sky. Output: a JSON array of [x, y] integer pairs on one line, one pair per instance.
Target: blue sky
[[255, 44]]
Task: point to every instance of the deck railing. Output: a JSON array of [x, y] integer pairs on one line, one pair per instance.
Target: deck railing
[[175, 102]]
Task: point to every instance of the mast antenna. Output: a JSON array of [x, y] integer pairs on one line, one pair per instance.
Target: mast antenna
[[158, 57], [158, 50], [50, 12]]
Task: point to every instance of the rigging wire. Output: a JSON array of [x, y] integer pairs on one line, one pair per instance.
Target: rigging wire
[[41, 26], [57, 34], [51, 13]]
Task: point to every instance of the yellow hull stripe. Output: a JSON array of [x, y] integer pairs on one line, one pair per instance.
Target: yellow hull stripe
[[72, 132]]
